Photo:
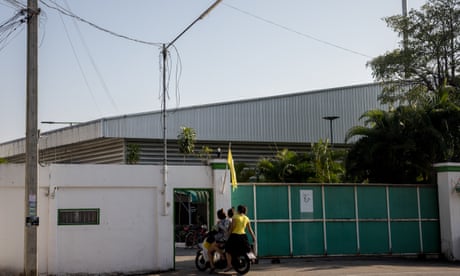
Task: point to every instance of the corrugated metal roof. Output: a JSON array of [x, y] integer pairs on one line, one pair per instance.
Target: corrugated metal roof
[[296, 118]]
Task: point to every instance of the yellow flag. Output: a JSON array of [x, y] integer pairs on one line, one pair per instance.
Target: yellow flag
[[232, 169]]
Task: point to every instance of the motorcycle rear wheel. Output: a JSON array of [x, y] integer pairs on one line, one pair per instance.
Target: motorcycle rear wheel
[[241, 264]]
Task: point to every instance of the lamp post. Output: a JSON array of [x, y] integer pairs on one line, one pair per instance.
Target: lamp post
[[330, 119], [59, 123], [164, 54]]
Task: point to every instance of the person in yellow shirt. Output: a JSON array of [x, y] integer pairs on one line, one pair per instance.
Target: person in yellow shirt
[[238, 243]]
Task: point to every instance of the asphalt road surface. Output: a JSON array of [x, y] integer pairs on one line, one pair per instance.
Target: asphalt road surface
[[321, 266]]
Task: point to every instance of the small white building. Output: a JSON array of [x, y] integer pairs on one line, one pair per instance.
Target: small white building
[[100, 219]]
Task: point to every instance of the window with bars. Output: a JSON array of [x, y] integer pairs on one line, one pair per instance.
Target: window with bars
[[78, 216]]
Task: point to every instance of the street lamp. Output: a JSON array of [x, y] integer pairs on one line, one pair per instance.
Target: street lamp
[[330, 119], [164, 54], [59, 123]]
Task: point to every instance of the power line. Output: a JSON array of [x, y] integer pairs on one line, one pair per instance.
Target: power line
[[297, 32], [8, 27], [17, 4], [93, 62], [66, 12], [79, 64]]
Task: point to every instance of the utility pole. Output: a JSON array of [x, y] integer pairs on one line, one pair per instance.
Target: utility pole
[[404, 14], [31, 179], [164, 54], [405, 37]]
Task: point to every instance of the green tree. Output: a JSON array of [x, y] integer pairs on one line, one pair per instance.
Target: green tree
[[132, 154], [205, 153], [186, 140], [400, 146], [3, 161], [321, 165], [286, 166], [327, 163], [422, 89], [380, 155], [428, 57]]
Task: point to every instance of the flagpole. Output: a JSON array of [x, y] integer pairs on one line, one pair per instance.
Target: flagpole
[[225, 179]]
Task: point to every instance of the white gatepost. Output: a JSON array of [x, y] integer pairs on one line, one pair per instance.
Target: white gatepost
[[448, 178], [221, 185]]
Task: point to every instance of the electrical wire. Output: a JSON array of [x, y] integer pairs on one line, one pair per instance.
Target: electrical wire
[[79, 64], [296, 32], [10, 26], [93, 63], [17, 4], [8, 5], [178, 74], [169, 73], [66, 12]]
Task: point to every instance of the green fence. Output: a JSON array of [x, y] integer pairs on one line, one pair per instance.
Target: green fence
[[341, 219]]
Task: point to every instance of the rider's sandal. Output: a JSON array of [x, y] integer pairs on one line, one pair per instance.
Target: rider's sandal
[[228, 269]]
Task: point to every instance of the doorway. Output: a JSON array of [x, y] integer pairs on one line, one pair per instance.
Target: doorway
[[193, 216]]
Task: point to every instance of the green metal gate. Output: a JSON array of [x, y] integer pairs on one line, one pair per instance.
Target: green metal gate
[[342, 219]]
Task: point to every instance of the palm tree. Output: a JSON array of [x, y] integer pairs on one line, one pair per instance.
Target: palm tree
[[400, 145], [286, 166]]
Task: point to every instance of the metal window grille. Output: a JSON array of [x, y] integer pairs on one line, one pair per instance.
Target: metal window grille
[[78, 216]]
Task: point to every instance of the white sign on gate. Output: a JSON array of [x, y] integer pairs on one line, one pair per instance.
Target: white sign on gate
[[306, 201]]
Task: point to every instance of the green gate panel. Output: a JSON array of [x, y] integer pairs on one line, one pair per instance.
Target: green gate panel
[[244, 195], [429, 202], [272, 202], [373, 237], [273, 239], [271, 218], [340, 202], [431, 237], [403, 202], [372, 202], [317, 203], [307, 238], [341, 238], [405, 237]]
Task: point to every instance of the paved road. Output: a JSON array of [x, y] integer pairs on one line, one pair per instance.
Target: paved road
[[351, 266]]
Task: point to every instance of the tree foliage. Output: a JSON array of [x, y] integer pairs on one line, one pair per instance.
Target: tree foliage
[[132, 153], [321, 165], [400, 145], [327, 163], [186, 140], [286, 166], [428, 56], [420, 84]]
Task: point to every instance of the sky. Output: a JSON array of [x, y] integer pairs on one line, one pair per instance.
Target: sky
[[243, 49]]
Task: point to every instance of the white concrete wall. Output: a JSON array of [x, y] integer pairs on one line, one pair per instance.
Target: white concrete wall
[[448, 177], [12, 219], [134, 234]]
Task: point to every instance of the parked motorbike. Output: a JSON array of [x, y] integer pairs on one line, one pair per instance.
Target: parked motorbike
[[241, 264]]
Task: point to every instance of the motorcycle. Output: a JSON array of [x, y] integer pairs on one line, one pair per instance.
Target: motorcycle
[[241, 264]]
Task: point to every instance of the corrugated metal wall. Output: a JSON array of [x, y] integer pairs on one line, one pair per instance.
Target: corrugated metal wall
[[294, 118], [100, 151], [151, 151], [254, 127]]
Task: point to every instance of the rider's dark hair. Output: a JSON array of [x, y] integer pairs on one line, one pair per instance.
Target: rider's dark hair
[[221, 214], [241, 209], [230, 212]]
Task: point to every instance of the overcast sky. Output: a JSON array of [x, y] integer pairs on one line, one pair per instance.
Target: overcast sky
[[243, 49]]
